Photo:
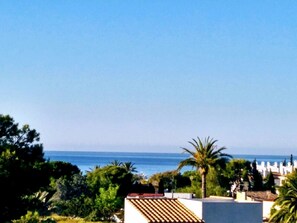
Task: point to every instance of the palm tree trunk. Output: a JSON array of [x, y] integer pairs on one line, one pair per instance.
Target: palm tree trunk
[[203, 186]]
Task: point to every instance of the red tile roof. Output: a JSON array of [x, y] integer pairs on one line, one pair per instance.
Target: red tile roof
[[164, 210], [142, 195], [261, 195]]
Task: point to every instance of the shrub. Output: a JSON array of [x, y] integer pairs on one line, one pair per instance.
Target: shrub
[[33, 217]]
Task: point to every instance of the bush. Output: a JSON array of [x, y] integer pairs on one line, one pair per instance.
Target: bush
[[33, 217]]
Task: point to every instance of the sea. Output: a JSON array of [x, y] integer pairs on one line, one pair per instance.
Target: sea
[[146, 164]]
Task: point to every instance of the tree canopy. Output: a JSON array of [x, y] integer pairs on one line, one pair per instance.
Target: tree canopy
[[21, 165]]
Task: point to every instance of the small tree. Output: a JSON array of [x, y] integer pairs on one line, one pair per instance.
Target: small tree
[[269, 183], [257, 180], [161, 187], [108, 202]]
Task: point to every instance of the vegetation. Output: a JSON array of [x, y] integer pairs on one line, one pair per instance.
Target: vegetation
[[285, 206], [31, 183], [32, 186], [205, 156], [257, 180], [21, 167], [65, 219], [33, 217], [269, 183], [170, 180]]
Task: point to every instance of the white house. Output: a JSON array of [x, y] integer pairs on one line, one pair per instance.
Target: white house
[[181, 210], [157, 210], [225, 210]]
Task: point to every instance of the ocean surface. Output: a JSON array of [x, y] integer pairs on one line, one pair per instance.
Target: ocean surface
[[145, 163]]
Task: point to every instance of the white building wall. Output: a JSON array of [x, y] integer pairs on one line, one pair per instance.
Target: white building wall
[[179, 195], [265, 168], [132, 215], [193, 205], [267, 205]]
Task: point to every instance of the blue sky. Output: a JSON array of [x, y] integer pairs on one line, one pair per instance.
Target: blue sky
[[151, 75]]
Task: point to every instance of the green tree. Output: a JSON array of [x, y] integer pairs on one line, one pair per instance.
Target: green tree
[[205, 155], [161, 187], [57, 169], [69, 188], [108, 186], [217, 183], [257, 180], [292, 162], [108, 202], [269, 183], [285, 207], [237, 173], [116, 163], [170, 180], [195, 183], [21, 167], [238, 170], [107, 175], [129, 167], [72, 197]]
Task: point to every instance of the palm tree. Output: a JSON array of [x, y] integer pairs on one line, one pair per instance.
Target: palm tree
[[116, 163], [204, 156], [285, 206], [129, 167]]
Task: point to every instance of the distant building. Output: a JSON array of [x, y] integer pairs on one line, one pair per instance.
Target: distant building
[[265, 167]]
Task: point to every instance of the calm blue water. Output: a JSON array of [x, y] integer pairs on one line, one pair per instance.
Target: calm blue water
[[146, 163]]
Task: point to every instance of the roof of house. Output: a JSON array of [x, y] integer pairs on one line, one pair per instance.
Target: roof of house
[[261, 195], [165, 210], [147, 195]]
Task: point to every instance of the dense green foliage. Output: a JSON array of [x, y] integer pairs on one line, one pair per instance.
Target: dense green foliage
[[171, 180], [29, 182], [95, 196], [257, 180], [237, 172], [21, 167], [108, 201], [269, 183], [285, 206]]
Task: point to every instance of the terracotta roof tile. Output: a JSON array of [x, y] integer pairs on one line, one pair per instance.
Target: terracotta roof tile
[[142, 195], [165, 210], [262, 195]]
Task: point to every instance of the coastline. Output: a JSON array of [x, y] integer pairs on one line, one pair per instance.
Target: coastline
[[146, 163]]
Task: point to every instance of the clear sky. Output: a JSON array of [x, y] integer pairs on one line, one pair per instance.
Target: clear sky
[[151, 75]]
